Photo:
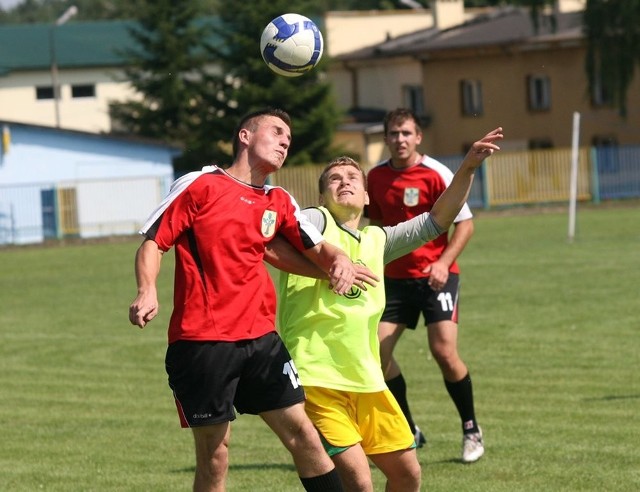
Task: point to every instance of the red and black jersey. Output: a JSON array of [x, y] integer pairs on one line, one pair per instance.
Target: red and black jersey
[[400, 194], [219, 227]]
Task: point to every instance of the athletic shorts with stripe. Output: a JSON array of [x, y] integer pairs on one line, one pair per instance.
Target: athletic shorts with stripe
[[345, 418], [407, 298], [209, 379]]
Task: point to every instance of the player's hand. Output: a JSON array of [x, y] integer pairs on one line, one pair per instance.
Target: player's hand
[[364, 277], [143, 309], [483, 148], [343, 274], [438, 275]]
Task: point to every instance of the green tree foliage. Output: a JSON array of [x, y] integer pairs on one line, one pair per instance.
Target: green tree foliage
[[612, 28], [168, 66], [198, 76], [536, 7], [249, 84]]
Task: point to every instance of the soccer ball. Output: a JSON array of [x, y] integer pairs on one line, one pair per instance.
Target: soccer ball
[[291, 45]]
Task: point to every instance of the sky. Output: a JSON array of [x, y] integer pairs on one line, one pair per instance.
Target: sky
[[7, 4]]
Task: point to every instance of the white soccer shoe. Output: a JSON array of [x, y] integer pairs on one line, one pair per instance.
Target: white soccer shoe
[[472, 447]]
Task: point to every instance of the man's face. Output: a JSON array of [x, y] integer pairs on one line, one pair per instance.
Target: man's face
[[270, 141], [345, 189], [402, 139]]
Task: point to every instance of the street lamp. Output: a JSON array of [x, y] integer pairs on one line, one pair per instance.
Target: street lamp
[[70, 12]]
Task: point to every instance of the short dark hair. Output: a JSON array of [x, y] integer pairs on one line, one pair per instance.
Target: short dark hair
[[400, 115], [251, 120], [339, 161]]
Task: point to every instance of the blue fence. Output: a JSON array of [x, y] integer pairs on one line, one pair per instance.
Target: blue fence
[[89, 208], [616, 172], [610, 173]]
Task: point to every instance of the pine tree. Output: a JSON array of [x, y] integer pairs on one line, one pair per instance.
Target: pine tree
[[169, 66], [613, 47], [251, 85], [199, 76]]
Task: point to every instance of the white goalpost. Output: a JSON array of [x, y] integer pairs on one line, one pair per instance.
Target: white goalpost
[[573, 181]]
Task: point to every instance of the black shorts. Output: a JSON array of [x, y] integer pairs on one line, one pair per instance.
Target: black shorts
[[209, 379], [407, 298]]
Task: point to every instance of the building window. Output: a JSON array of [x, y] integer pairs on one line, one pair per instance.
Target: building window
[[540, 143], [45, 92], [471, 97], [600, 96], [539, 92], [413, 98], [86, 90]]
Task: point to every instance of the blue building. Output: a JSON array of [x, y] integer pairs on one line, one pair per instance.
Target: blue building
[[61, 183]]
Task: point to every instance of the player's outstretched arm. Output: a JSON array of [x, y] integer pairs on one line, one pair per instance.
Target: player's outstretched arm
[[448, 206], [145, 306]]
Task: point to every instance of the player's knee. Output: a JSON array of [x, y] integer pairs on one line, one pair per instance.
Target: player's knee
[[445, 355], [416, 475], [212, 468], [408, 481], [360, 482], [211, 450], [304, 437]]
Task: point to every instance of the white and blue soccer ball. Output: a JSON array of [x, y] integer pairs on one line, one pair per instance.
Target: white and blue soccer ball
[[291, 45]]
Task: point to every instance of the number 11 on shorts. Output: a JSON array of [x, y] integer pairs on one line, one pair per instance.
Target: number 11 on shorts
[[290, 370], [445, 301]]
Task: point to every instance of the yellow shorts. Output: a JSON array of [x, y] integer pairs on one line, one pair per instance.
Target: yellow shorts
[[345, 418]]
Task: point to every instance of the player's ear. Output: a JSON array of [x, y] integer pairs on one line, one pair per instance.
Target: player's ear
[[366, 198], [244, 135]]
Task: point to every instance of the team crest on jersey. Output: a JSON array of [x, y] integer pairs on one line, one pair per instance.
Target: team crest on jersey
[[411, 197], [268, 223], [355, 292]]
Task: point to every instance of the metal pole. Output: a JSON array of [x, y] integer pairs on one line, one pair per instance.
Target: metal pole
[[70, 12], [54, 74], [573, 180]]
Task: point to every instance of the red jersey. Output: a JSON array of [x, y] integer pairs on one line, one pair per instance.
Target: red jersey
[[219, 227], [400, 194]]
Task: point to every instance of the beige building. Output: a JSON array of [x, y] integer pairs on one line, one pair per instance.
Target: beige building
[[466, 79]]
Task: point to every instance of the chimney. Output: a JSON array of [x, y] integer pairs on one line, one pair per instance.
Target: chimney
[[447, 13]]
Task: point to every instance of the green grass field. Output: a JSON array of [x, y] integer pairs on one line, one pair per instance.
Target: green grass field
[[550, 331]]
